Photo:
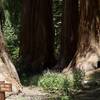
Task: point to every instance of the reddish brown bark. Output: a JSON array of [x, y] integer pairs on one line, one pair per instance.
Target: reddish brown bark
[[88, 53], [37, 33]]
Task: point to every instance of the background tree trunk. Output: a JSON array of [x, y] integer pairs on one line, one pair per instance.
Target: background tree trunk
[[69, 35], [88, 53], [37, 37]]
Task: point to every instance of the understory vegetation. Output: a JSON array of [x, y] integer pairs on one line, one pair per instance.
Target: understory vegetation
[[11, 26], [57, 84]]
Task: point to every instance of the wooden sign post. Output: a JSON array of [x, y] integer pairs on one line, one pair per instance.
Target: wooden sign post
[[4, 87]]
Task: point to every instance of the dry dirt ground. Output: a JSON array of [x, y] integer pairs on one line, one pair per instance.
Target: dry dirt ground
[[29, 93], [90, 91]]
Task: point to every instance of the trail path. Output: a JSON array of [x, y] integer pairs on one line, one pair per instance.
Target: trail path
[[29, 93], [93, 94], [90, 91]]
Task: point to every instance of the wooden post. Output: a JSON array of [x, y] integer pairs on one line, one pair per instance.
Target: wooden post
[[2, 95], [4, 87]]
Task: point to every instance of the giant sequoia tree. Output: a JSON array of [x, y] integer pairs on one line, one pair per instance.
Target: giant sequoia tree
[[7, 69], [88, 52], [37, 35]]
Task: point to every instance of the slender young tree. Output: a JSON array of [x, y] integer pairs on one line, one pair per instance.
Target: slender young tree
[[37, 35], [88, 53]]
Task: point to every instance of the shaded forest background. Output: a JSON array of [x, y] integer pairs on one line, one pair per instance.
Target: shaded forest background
[[12, 28], [51, 34]]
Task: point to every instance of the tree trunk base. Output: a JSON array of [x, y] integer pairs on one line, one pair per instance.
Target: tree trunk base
[[86, 61], [8, 73]]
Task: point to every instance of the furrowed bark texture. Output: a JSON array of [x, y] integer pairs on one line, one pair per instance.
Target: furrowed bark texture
[[88, 52], [37, 35]]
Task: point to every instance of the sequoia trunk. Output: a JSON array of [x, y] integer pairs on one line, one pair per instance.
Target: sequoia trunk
[[37, 35], [88, 53], [8, 72]]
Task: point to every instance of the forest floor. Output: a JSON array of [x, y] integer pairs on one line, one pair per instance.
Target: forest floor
[[36, 94], [90, 94], [90, 91], [29, 93]]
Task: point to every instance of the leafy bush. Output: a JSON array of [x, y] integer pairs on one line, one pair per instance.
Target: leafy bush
[[12, 26], [60, 84], [11, 39], [65, 98], [54, 83], [57, 18], [75, 79]]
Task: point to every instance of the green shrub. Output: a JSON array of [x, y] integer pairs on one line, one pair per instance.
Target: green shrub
[[59, 84], [54, 83], [75, 79], [11, 40], [57, 18], [11, 24]]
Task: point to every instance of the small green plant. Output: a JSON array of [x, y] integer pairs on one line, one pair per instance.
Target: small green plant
[[11, 26], [61, 85], [65, 98], [55, 83], [75, 79], [11, 38]]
